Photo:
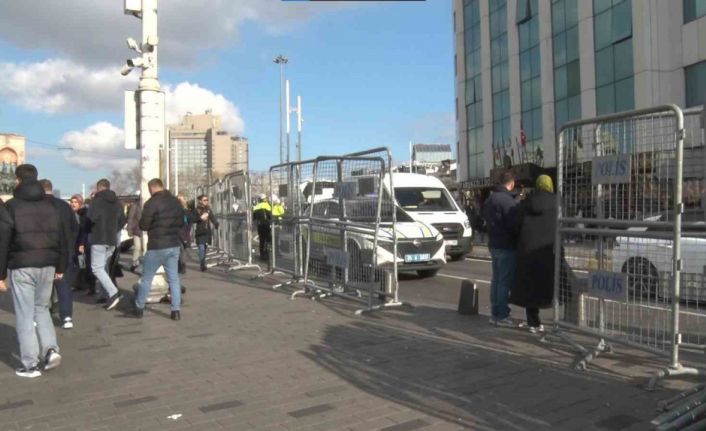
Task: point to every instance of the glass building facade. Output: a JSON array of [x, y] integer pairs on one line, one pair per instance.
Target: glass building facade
[[695, 84], [500, 81], [474, 87], [566, 64], [190, 161], [612, 30], [530, 83]]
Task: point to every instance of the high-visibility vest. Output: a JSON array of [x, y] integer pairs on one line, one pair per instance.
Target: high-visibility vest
[[278, 210], [263, 206]]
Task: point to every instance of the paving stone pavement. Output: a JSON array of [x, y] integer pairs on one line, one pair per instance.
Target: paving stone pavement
[[246, 357]]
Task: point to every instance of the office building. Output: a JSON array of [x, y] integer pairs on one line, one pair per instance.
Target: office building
[[525, 67], [199, 152]]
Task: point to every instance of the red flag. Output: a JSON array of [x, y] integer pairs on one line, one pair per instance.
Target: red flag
[[523, 136]]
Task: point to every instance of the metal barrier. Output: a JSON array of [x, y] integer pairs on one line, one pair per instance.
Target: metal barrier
[[619, 184], [236, 224], [291, 184], [217, 254]]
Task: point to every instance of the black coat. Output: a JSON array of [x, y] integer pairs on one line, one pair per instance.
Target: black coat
[[68, 221], [37, 237], [534, 276], [203, 234], [162, 219], [107, 218], [501, 214], [5, 236]]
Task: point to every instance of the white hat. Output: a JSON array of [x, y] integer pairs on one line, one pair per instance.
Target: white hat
[[275, 199], [262, 196]]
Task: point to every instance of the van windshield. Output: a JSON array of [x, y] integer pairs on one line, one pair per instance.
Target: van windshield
[[423, 199]]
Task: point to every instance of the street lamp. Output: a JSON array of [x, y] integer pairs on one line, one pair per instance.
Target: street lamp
[[281, 60]]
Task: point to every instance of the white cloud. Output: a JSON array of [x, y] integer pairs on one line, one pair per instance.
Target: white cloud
[[186, 97], [99, 146], [59, 86], [94, 32]]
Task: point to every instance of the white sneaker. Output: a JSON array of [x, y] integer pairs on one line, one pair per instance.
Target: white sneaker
[[536, 329], [68, 323], [506, 323], [492, 321], [28, 372], [52, 360]]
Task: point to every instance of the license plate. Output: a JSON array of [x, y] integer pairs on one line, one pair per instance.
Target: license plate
[[451, 242], [411, 258]]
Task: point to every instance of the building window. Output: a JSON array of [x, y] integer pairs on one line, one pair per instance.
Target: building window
[[612, 21], [500, 83], [695, 84], [474, 89], [694, 9], [567, 70], [530, 83]]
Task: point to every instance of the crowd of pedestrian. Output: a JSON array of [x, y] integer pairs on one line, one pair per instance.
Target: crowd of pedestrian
[[47, 243]]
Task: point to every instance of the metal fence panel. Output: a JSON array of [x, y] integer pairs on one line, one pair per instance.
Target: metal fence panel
[[619, 227], [237, 224]]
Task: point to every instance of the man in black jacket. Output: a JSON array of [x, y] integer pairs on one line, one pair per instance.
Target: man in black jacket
[[203, 227], [64, 286], [162, 219], [501, 214], [107, 218], [37, 255]]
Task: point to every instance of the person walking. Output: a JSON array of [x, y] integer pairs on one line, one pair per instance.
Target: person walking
[[203, 232], [262, 216], [501, 215], [63, 287], [33, 253], [133, 229], [162, 219], [107, 219], [534, 281], [185, 232]]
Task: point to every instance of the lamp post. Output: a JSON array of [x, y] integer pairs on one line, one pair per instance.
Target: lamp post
[[281, 60], [144, 109]]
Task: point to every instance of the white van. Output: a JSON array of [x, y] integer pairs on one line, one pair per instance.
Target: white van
[[426, 199]]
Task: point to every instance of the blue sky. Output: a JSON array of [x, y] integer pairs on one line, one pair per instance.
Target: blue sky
[[374, 74]]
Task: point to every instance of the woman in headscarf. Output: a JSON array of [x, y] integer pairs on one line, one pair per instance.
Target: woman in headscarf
[[534, 280]]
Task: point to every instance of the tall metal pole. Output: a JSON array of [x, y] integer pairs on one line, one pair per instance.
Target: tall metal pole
[[281, 60], [299, 128], [288, 111]]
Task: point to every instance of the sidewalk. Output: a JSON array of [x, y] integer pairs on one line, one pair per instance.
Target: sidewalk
[[246, 357]]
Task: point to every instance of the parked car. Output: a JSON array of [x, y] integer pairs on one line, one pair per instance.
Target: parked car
[[420, 247], [426, 199], [648, 261]]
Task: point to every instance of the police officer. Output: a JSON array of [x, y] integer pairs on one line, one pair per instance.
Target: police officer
[[262, 215]]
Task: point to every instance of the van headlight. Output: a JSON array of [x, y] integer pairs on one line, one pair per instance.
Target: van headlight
[[466, 223]]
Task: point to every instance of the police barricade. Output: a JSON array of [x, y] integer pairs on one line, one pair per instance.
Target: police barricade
[[619, 232], [291, 190], [236, 225], [217, 253], [350, 237]]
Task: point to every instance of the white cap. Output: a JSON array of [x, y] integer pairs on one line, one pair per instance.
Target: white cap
[[262, 196]]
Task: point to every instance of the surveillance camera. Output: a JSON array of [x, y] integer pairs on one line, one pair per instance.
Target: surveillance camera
[[132, 44], [125, 70]]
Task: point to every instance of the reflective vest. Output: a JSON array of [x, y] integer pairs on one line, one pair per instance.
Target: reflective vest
[[263, 206], [278, 210]]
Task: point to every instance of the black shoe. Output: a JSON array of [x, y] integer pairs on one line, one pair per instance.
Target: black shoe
[[183, 290], [138, 312], [176, 315], [113, 301], [52, 360], [133, 268], [101, 300], [165, 299]]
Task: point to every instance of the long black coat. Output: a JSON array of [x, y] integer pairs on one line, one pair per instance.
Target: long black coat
[[534, 276]]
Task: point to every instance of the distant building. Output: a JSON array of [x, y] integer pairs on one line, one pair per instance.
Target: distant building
[[12, 153], [199, 152], [431, 155]]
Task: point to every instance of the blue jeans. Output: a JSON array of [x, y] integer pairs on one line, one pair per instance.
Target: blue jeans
[[202, 252], [31, 293], [64, 290], [100, 256], [169, 259], [504, 262]]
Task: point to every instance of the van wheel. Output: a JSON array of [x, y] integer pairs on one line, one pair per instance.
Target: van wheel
[[456, 257], [643, 277], [427, 273]]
